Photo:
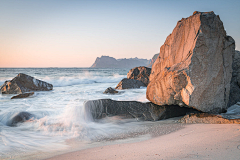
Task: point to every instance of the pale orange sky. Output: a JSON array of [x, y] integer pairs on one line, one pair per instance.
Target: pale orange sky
[[73, 33]]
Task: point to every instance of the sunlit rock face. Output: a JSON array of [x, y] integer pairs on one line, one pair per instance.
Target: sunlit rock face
[[23, 83], [194, 67]]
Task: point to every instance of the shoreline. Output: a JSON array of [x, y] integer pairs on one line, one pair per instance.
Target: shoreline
[[195, 141]]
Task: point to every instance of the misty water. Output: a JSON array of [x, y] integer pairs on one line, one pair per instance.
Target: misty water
[[59, 120]]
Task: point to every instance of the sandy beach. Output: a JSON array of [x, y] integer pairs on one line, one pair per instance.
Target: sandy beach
[[196, 141]]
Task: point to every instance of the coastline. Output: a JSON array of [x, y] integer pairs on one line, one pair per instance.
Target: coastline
[[195, 141]]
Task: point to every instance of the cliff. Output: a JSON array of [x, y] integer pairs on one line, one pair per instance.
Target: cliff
[[153, 60], [110, 62]]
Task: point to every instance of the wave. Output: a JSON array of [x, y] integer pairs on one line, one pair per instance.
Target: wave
[[70, 81]]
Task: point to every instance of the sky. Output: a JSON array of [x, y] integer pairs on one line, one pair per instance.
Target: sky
[[73, 33]]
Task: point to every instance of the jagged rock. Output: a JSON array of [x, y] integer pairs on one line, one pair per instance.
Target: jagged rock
[[194, 67], [110, 90], [129, 83], [153, 60], [19, 118], [140, 73], [207, 118], [235, 82], [24, 95], [97, 109], [23, 83]]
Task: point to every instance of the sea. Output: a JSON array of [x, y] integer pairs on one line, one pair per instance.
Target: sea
[[59, 124]]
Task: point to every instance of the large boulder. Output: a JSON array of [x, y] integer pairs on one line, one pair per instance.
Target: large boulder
[[129, 84], [23, 83], [194, 67], [235, 82], [140, 73], [98, 109]]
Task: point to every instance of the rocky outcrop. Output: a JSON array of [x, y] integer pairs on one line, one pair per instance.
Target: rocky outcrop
[[153, 60], [140, 73], [194, 67], [235, 82], [110, 62], [23, 83], [110, 90], [19, 118], [129, 84], [97, 109], [207, 118], [24, 95]]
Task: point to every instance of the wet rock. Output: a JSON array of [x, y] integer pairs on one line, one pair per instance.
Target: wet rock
[[98, 109], [129, 83], [194, 66], [24, 95], [207, 118], [140, 73], [110, 90], [19, 118], [23, 83]]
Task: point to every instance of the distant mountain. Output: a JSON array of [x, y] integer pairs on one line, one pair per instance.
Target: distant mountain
[[110, 62], [153, 60]]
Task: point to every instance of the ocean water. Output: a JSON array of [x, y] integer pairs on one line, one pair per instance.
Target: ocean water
[[59, 121]]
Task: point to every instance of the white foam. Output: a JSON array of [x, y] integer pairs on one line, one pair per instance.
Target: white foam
[[69, 81]]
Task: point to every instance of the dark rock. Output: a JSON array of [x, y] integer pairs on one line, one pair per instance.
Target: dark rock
[[129, 83], [140, 73], [110, 90], [235, 81], [23, 83], [19, 118], [24, 95], [207, 118], [97, 109]]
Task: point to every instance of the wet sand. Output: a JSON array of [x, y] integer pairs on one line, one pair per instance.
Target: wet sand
[[195, 141]]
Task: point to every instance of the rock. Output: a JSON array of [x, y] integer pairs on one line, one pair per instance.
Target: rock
[[153, 60], [110, 90], [4, 84], [24, 95], [140, 73], [129, 83], [235, 82], [19, 118], [207, 118], [98, 109], [194, 67], [23, 83], [110, 62], [233, 112]]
